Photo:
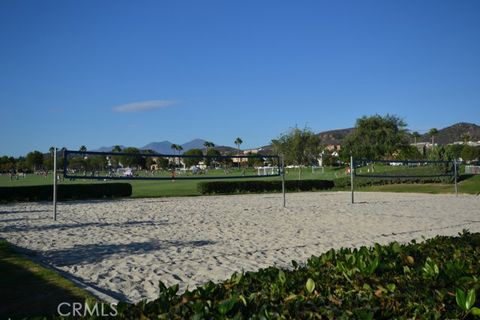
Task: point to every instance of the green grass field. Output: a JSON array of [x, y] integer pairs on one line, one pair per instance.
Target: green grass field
[[169, 188], [27, 289]]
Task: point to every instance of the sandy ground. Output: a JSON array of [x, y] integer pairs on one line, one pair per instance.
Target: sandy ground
[[125, 247]]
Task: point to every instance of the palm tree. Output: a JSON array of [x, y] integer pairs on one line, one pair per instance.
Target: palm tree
[[208, 144], [465, 137], [415, 136], [179, 148], [433, 132], [83, 149], [238, 142], [174, 147]]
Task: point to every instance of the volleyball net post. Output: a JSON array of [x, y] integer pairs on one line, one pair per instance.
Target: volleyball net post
[[352, 177], [283, 179], [54, 184]]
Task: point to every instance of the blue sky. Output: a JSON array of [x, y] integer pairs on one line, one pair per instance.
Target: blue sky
[[100, 73]]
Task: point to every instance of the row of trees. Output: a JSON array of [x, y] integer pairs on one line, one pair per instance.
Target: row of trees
[[374, 137]]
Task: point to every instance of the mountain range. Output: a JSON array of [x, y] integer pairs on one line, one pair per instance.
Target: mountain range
[[165, 147], [446, 135]]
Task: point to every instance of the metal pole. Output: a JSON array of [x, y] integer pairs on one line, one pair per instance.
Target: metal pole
[[55, 184], [455, 172], [283, 182], [351, 178]]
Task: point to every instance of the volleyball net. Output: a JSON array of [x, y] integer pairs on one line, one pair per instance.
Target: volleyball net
[[155, 166], [403, 171]]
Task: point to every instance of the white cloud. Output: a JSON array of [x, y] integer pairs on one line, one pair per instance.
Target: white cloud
[[144, 106]]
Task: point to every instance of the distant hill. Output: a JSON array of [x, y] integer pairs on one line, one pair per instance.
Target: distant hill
[[334, 136], [454, 133], [159, 147], [107, 149], [194, 144]]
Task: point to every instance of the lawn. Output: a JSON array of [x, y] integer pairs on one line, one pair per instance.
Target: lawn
[[28, 289], [169, 188]]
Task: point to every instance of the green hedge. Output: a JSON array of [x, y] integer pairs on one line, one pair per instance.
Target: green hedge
[[344, 182], [257, 186], [65, 192], [436, 279]]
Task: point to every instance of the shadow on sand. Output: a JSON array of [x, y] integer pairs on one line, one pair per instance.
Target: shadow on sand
[[67, 226], [94, 253]]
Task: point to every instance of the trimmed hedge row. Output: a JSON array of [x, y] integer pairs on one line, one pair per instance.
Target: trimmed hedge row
[[66, 192], [344, 182], [257, 186]]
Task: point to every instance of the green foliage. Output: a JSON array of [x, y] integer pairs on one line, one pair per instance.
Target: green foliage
[[192, 161], [380, 282], [257, 186], [162, 162], [65, 192], [470, 153], [299, 147], [376, 137], [135, 160], [344, 182], [212, 161], [34, 160]]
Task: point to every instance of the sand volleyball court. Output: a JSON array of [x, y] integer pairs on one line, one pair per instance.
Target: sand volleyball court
[[125, 247]]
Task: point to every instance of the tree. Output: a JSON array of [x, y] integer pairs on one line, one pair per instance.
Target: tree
[[432, 133], [238, 142], [415, 136], [376, 137], [298, 147], [117, 148], [136, 160], [179, 149], [470, 153], [465, 137], [193, 161], [174, 147], [83, 149], [212, 154], [207, 145], [34, 160], [162, 162], [453, 151]]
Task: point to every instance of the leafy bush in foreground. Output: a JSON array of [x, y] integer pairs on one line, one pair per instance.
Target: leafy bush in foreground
[[66, 192], [256, 186], [438, 278]]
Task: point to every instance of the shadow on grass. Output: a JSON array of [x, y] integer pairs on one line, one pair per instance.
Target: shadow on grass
[[28, 292]]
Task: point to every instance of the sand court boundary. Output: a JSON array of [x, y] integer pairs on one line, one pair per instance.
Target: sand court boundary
[[124, 247]]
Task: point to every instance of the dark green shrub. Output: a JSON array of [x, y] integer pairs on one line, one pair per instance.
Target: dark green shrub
[[65, 192], [258, 186], [344, 182]]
